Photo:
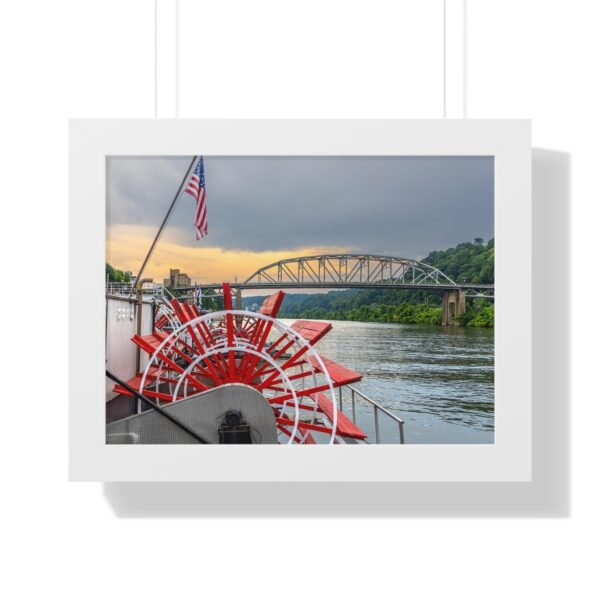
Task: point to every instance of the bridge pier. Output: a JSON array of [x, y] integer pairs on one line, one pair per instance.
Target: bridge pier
[[453, 306]]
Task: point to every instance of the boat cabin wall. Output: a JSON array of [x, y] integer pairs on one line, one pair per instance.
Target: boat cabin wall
[[121, 322]]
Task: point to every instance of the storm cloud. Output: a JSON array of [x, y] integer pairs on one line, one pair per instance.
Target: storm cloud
[[402, 206]]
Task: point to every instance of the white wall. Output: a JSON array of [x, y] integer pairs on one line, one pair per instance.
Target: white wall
[[121, 324], [328, 58]]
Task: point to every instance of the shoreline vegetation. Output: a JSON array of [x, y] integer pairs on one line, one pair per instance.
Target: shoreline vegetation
[[479, 313]]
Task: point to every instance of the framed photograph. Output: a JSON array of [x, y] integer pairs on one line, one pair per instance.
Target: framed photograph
[[300, 300]]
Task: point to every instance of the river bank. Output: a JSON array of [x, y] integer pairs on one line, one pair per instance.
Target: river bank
[[478, 314]]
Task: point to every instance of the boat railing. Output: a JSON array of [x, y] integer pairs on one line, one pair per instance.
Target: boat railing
[[377, 410], [114, 288]]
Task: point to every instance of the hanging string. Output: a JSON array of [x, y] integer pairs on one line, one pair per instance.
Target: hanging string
[[166, 39], [445, 74], [465, 57], [177, 59], [155, 59]]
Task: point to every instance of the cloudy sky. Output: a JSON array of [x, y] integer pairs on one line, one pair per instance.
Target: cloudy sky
[[264, 209]]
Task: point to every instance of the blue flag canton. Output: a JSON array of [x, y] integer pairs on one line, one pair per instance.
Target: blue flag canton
[[200, 172]]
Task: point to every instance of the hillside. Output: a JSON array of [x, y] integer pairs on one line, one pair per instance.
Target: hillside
[[469, 262]]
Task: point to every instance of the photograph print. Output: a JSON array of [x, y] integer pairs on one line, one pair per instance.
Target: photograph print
[[300, 300]]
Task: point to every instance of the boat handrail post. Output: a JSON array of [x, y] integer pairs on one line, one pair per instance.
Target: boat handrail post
[[376, 409]]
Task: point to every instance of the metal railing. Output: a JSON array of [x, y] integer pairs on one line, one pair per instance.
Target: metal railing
[[124, 289], [377, 408]]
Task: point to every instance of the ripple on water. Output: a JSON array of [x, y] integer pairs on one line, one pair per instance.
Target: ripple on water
[[439, 380]]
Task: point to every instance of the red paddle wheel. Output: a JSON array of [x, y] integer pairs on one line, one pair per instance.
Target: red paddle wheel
[[242, 348]]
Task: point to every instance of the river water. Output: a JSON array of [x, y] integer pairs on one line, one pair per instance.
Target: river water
[[440, 380]]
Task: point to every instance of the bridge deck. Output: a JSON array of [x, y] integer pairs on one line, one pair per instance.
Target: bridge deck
[[340, 285]]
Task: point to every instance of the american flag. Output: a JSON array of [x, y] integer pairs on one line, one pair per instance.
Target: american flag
[[196, 188], [198, 297]]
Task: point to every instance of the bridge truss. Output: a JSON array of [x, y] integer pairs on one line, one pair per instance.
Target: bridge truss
[[330, 271], [349, 270]]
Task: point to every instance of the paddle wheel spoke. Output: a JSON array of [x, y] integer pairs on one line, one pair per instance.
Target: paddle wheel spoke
[[289, 363], [217, 377], [175, 367], [159, 395], [293, 377], [262, 334], [307, 407], [248, 361], [300, 393], [229, 331], [298, 439], [295, 365], [306, 426]]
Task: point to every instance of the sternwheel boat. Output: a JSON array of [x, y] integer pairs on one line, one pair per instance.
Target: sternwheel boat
[[238, 377]]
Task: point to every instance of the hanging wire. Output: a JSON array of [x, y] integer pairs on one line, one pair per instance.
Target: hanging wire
[[177, 59], [155, 59], [465, 62], [444, 36], [465, 57], [177, 52]]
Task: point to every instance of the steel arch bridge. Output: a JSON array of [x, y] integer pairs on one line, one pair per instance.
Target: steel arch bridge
[[347, 271]]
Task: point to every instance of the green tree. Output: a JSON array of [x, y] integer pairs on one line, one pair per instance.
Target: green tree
[[116, 275]]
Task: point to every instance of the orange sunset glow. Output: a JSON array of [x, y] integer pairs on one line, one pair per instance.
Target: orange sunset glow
[[126, 246]]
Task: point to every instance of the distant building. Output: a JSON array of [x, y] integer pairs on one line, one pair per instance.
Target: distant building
[[177, 279]]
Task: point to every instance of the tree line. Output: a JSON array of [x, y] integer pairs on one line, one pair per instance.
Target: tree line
[[116, 275]]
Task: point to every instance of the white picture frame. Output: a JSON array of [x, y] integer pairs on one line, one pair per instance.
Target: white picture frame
[[509, 459]]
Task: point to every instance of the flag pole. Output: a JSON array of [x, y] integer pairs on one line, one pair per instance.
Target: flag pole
[[162, 225]]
